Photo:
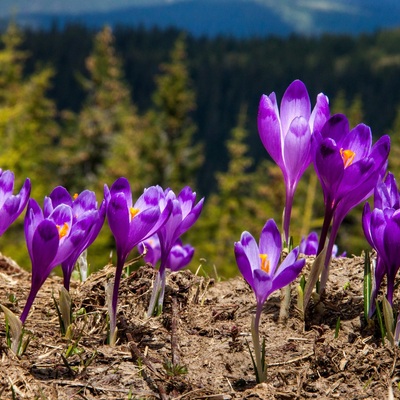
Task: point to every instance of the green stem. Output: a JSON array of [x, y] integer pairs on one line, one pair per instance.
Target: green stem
[[255, 323]]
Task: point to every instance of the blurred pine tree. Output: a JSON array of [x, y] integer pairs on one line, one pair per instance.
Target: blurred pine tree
[[28, 131], [173, 157]]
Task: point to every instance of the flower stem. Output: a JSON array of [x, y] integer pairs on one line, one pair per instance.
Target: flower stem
[[328, 256], [157, 296], [288, 212], [325, 229], [32, 294], [114, 302], [258, 353]]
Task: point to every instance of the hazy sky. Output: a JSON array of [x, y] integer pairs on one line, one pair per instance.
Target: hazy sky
[[54, 6]]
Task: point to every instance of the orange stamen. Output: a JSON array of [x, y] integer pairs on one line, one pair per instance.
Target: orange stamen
[[347, 156], [75, 196], [133, 211], [63, 230], [265, 265]]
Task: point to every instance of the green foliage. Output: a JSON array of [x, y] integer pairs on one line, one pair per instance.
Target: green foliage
[[106, 114], [173, 157], [27, 129], [394, 156]]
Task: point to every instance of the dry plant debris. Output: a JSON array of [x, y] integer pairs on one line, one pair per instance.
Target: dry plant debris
[[197, 348]]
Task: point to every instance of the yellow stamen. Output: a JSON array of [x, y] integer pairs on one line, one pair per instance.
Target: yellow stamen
[[75, 196], [265, 265], [347, 156], [63, 230], [134, 212]]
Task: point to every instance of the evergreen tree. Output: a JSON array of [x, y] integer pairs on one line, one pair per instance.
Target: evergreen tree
[[27, 129], [106, 114], [175, 158], [394, 156]]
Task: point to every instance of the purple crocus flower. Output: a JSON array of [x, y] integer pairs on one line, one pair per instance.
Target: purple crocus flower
[[382, 230], [348, 167], [152, 248], [184, 214], [131, 224], [51, 238], [11, 206], [179, 256], [259, 265], [286, 135], [309, 246], [84, 209]]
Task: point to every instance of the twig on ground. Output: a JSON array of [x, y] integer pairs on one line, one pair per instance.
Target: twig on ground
[[293, 360], [137, 354], [174, 334]]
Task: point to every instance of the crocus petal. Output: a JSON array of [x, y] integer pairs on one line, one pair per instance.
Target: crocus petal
[[141, 226], [11, 205], [72, 246], [295, 103], [150, 198], [391, 245], [153, 249], [180, 256], [9, 213], [297, 148], [269, 129], [85, 201], [44, 249], [358, 140], [336, 128], [243, 262], [287, 273], [121, 185], [187, 199], [118, 217], [386, 194], [251, 249], [262, 285], [6, 185], [33, 217], [309, 245], [61, 215], [366, 223], [378, 221], [270, 244], [354, 178], [329, 166], [190, 218], [320, 113], [60, 195]]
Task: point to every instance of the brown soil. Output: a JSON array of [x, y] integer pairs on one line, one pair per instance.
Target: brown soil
[[197, 349]]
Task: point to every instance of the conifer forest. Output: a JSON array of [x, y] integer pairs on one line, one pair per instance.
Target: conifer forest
[[80, 108]]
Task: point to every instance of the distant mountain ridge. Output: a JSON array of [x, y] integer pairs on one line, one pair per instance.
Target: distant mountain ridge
[[238, 18]]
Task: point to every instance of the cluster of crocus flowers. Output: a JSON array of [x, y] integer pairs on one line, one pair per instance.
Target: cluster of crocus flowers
[[184, 213], [382, 230], [11, 206], [58, 234], [130, 224], [348, 167], [286, 134], [86, 215], [261, 268]]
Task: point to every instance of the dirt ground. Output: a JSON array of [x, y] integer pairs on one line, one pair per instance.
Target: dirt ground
[[197, 349]]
